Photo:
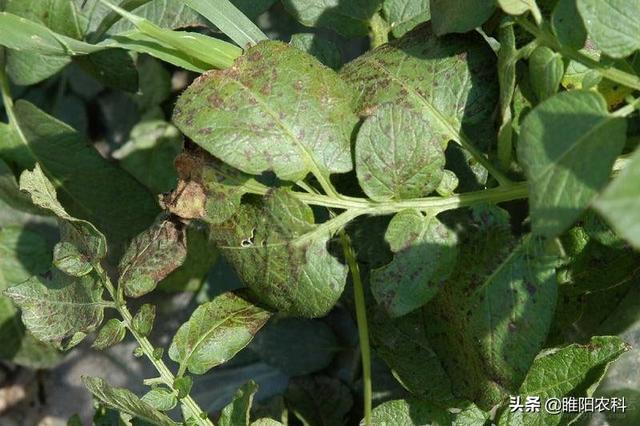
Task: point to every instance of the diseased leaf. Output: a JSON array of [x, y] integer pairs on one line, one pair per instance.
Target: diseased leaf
[[302, 396], [612, 24], [300, 113], [404, 15], [425, 254], [450, 80], [619, 204], [398, 155], [216, 331], [143, 320], [125, 401], [575, 370], [59, 308], [566, 165], [567, 24], [68, 259], [161, 399], [460, 16], [322, 48], [415, 412], [237, 412], [350, 18], [281, 255], [151, 256], [111, 333]]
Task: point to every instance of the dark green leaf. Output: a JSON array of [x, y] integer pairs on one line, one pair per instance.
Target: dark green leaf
[[10, 192], [161, 399], [460, 16], [331, 409], [546, 69], [238, 411], [425, 255], [612, 24], [507, 61], [293, 130], [216, 331], [323, 49], [183, 385], [111, 333], [112, 67], [143, 320], [125, 401], [404, 15], [567, 24], [567, 165]]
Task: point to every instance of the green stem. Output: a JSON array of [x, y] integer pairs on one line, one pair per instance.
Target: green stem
[[166, 376], [363, 328], [379, 31], [610, 73]]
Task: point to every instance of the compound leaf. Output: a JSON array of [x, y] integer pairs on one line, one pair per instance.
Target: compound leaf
[[300, 113], [460, 16], [216, 331], [566, 165], [613, 25]]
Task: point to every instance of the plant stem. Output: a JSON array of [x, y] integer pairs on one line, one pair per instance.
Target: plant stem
[[363, 328], [166, 376]]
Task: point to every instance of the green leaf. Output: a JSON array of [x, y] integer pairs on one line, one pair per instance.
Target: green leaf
[[125, 401], [88, 186], [332, 409], [149, 155], [425, 255], [10, 192], [566, 165], [160, 399], [619, 203], [238, 411], [518, 7], [416, 412], [252, 9], [282, 256], [183, 385], [398, 155], [229, 20], [460, 16], [404, 15], [450, 80], [89, 241], [151, 256], [58, 308], [349, 18], [266, 422], [567, 24], [507, 62], [70, 260], [546, 69], [448, 184], [112, 67], [296, 346], [574, 370], [22, 254], [143, 320], [110, 334], [214, 110], [216, 331], [323, 49], [612, 24]]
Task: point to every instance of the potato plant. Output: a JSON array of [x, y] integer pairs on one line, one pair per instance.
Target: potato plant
[[426, 210]]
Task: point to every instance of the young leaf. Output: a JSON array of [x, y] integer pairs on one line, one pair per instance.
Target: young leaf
[[59, 308], [161, 399], [398, 155], [404, 15], [425, 254], [300, 112], [460, 16], [282, 256], [238, 411], [566, 165], [518, 7], [415, 412], [349, 18], [216, 331], [110, 334], [183, 385], [143, 320], [619, 204], [125, 401], [322, 48], [546, 69], [567, 24], [613, 25], [329, 410], [151, 256], [576, 370], [69, 260]]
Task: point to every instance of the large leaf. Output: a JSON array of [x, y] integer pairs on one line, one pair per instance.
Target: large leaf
[[282, 256], [575, 370], [460, 16], [125, 401], [88, 186], [567, 24], [216, 331], [152, 255], [612, 24], [493, 314], [300, 114], [620, 202], [398, 155], [404, 15], [349, 18], [61, 307], [415, 412], [425, 255], [237, 412], [566, 165], [450, 80]]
